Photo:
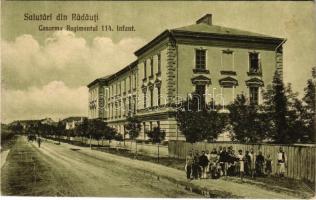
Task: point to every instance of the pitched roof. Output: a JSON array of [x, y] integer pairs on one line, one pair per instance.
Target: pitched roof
[[214, 29], [107, 78], [210, 31], [98, 80]]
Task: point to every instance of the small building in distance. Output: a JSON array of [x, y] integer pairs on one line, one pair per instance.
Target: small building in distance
[[72, 122]]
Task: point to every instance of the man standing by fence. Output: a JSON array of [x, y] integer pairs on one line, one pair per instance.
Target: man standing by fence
[[252, 163], [282, 160], [203, 161]]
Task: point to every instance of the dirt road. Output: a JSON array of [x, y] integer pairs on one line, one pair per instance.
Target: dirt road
[[65, 170]]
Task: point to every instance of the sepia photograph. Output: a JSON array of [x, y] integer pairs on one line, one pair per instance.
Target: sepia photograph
[[158, 99]]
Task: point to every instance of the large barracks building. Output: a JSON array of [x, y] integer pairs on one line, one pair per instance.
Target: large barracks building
[[213, 61]]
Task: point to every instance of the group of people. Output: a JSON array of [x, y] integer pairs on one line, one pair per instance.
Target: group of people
[[31, 138], [226, 162]]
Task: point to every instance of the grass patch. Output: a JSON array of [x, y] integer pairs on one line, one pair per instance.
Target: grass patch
[[23, 173]]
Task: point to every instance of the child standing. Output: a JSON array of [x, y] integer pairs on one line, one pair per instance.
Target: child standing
[[188, 166], [268, 165]]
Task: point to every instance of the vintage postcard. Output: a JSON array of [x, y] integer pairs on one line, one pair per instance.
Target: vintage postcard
[[158, 99]]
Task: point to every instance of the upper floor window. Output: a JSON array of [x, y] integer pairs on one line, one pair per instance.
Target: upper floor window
[[254, 95], [135, 80], [227, 60], [200, 58], [151, 98], [124, 85], [158, 94], [151, 66], [130, 82], [145, 69], [129, 105], [254, 62], [134, 105], [159, 63], [145, 99]]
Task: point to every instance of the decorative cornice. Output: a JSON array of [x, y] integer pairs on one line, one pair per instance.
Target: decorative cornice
[[201, 80], [255, 82], [245, 38], [228, 82], [228, 51]]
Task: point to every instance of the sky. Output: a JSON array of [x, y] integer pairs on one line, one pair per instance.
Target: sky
[[44, 74]]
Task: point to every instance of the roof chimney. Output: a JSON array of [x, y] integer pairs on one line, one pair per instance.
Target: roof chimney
[[206, 19]]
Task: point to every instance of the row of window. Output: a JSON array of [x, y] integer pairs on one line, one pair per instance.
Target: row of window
[[151, 96], [122, 108], [200, 91], [151, 125], [151, 62], [227, 60], [117, 88]]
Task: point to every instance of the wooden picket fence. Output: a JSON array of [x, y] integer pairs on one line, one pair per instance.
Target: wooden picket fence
[[301, 159]]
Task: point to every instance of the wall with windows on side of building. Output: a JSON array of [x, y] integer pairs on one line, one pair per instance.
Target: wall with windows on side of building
[[221, 64]]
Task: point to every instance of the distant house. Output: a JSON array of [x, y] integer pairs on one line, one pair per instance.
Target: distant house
[[72, 122], [48, 121]]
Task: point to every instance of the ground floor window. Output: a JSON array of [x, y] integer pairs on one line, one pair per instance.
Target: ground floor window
[[150, 126], [200, 94], [159, 92], [145, 100], [254, 95], [151, 98]]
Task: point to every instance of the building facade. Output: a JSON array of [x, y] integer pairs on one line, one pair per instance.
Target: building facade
[[215, 62]]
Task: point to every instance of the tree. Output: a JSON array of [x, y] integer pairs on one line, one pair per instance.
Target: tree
[[275, 105], [60, 130], [118, 137], [16, 128], [191, 120], [156, 136], [82, 129], [97, 129], [310, 96], [133, 128], [248, 124], [287, 114], [297, 126], [310, 100], [111, 134]]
